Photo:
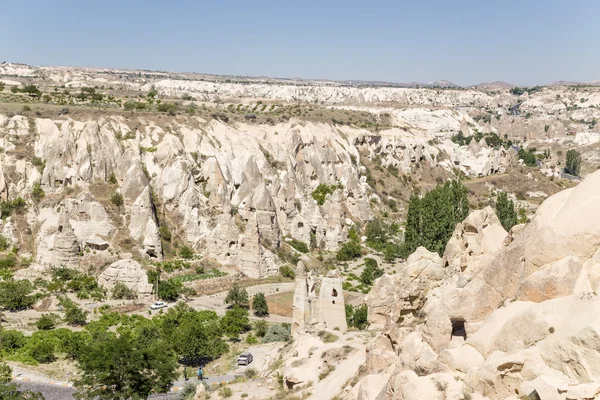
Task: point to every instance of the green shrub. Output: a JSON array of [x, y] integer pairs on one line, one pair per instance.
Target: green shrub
[[321, 192], [357, 317], [225, 392], [41, 350], [75, 316], [12, 341], [165, 233], [186, 252], [277, 333], [370, 272], [349, 251], [169, 290], [251, 373], [16, 295], [37, 193], [287, 272], [261, 327], [117, 199], [122, 291], [8, 207], [528, 157], [170, 108], [298, 245], [112, 179], [46, 322]]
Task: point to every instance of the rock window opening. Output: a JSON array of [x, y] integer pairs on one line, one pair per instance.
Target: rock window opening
[[333, 294], [60, 228], [458, 329]]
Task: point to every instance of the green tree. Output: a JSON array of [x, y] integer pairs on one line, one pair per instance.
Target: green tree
[[528, 157], [259, 305], [198, 336], [237, 296], [169, 290], [126, 365], [16, 295], [573, 162], [235, 321], [431, 219], [321, 192], [505, 210]]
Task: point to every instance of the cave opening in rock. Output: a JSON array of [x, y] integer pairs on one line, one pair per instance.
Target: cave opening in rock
[[458, 329]]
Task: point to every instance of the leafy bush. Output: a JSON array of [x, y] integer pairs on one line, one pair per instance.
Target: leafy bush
[[170, 108], [165, 233], [260, 327], [357, 316], [122, 291], [186, 252], [287, 272], [298, 245], [46, 322], [370, 272], [117, 199], [112, 179], [349, 251], [259, 305], [16, 295], [75, 316], [7, 207], [277, 333], [225, 392], [431, 219], [321, 192], [37, 193], [251, 373]]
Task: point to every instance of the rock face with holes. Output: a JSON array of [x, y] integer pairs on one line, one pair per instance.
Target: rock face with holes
[[318, 302], [515, 317]]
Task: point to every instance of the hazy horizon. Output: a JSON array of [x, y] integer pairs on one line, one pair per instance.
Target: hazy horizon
[[464, 42]]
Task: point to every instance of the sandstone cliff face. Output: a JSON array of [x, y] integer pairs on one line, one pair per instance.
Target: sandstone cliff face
[[510, 317], [231, 191]]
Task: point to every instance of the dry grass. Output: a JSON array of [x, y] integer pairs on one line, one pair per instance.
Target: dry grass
[[281, 303]]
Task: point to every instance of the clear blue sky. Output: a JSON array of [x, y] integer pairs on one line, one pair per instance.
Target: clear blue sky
[[467, 42]]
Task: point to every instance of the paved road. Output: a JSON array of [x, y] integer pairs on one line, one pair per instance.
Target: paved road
[[55, 392]]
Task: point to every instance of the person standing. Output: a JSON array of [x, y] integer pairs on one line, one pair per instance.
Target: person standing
[[185, 373]]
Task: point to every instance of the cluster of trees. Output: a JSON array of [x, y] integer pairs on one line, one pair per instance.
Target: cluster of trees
[[528, 157], [131, 356], [431, 219], [492, 139], [237, 298], [370, 272], [31, 90]]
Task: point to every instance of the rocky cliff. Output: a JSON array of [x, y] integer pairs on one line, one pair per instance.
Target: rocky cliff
[[501, 316]]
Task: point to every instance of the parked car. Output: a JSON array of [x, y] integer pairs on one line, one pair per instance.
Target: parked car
[[245, 358], [158, 305]]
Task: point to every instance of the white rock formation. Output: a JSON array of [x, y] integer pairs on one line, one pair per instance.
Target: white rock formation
[[130, 273], [521, 317]]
